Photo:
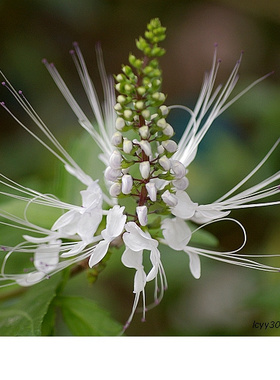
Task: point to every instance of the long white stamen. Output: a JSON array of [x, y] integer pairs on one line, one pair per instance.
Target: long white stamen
[[252, 173]]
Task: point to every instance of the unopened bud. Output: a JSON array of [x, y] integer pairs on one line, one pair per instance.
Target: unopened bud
[[127, 183], [144, 168], [170, 146], [127, 145], [170, 199], [112, 174], [141, 90], [144, 132], [178, 169], [165, 163], [121, 99], [120, 123], [152, 191], [139, 105], [146, 147], [160, 149], [181, 184], [168, 130], [115, 189], [158, 96], [115, 160], [146, 114], [142, 215], [164, 110], [118, 107], [116, 139], [161, 123], [128, 115]]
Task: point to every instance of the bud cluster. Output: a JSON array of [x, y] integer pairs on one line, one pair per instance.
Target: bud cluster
[[141, 167]]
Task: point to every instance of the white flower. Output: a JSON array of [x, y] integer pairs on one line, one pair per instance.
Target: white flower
[[210, 104], [185, 207], [177, 235], [46, 259], [245, 199], [134, 259], [84, 220], [73, 236], [136, 240], [105, 117], [114, 227]]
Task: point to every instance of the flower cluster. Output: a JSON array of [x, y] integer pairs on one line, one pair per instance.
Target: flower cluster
[[145, 202]]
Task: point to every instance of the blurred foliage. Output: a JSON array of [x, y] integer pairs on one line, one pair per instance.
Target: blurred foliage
[[226, 300]]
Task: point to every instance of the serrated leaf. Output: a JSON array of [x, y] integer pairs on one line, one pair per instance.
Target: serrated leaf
[[85, 318], [25, 317]]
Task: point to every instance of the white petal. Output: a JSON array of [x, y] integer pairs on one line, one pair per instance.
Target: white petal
[[30, 278], [155, 260], [98, 253], [77, 248], [176, 233], [65, 219], [185, 207], [88, 224], [132, 259], [115, 223], [41, 240], [79, 174], [46, 257], [139, 280], [194, 264], [136, 239], [92, 196], [204, 214]]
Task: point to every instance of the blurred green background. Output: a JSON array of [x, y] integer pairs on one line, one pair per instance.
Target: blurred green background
[[227, 299]]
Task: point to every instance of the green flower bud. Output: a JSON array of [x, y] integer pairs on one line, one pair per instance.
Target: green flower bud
[[146, 114], [141, 90], [139, 105], [121, 99], [128, 115]]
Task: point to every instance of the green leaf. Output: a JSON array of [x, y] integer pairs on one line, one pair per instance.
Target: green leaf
[[85, 318], [25, 316]]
